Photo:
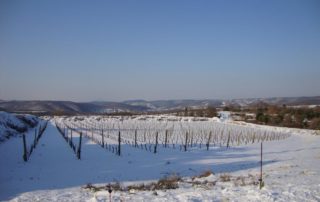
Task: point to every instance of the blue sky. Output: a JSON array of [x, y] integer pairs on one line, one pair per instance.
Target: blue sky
[[119, 50]]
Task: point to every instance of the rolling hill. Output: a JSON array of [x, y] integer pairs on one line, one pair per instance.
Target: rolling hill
[[68, 107]]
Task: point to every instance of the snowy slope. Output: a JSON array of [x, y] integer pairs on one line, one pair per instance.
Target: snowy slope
[[13, 124], [291, 170]]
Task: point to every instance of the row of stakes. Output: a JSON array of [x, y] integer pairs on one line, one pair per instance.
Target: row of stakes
[[37, 135]]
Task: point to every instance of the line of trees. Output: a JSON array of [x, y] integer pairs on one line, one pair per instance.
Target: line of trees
[[280, 115], [301, 117], [208, 111]]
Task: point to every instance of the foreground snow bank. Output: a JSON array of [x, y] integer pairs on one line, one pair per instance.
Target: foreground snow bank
[[13, 124]]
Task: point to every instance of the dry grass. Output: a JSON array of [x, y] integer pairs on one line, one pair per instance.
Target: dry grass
[[114, 187], [225, 177], [240, 181], [172, 182], [140, 187], [169, 182], [246, 181], [206, 173]]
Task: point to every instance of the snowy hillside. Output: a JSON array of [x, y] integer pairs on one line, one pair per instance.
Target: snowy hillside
[[206, 160], [13, 124]]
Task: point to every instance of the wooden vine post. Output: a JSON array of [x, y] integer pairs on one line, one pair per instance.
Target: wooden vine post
[[119, 143], [79, 147], [155, 147], [261, 164], [25, 153]]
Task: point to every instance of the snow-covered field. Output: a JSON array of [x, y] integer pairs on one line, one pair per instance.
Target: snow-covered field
[[291, 158]]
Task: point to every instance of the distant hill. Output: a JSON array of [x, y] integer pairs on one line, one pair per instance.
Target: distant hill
[[67, 107], [290, 101]]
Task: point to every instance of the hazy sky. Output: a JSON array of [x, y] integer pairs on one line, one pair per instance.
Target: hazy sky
[[118, 50]]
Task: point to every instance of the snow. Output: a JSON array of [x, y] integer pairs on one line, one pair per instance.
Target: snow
[[53, 173], [12, 124]]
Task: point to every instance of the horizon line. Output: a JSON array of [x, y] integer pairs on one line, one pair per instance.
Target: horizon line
[[153, 100]]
